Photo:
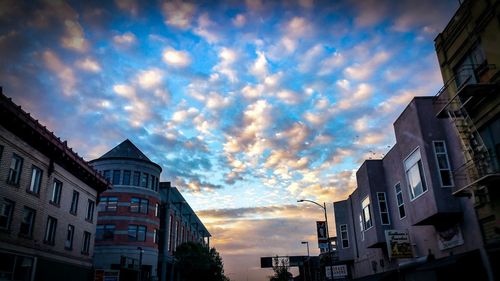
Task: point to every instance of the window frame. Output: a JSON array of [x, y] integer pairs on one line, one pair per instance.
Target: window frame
[[142, 205], [445, 153], [70, 234], [420, 168], [127, 176], [346, 238], [116, 178], [396, 192], [14, 174], [90, 210], [386, 208], [56, 196], [35, 184], [31, 223], [136, 229], [363, 213], [73, 209], [50, 231], [9, 215], [105, 201], [86, 243], [136, 179], [102, 230]]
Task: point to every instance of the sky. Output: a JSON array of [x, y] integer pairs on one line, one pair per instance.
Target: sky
[[247, 106]]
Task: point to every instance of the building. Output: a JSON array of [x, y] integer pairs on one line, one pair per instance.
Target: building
[[47, 202], [469, 58], [140, 221], [409, 192]]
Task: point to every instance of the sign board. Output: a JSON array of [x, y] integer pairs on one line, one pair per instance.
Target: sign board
[[322, 238], [398, 244], [339, 271], [293, 261], [106, 275], [449, 238]]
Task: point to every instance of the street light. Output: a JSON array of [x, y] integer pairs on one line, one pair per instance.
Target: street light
[[306, 242], [140, 262], [306, 272], [327, 234]]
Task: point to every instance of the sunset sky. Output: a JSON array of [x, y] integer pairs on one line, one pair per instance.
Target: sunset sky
[[246, 105]]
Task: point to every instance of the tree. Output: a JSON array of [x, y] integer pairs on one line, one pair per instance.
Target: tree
[[196, 262], [281, 271]]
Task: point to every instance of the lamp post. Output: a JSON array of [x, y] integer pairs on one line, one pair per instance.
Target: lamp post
[[306, 268], [327, 233]]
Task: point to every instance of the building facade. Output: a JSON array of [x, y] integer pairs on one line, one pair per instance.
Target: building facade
[[409, 191], [469, 59], [48, 196], [140, 220]]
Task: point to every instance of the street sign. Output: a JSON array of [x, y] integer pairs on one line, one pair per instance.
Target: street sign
[[398, 244]]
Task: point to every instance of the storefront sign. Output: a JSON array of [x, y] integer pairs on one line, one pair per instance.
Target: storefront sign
[[339, 271], [398, 244]]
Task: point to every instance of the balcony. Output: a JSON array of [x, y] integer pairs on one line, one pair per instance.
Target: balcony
[[476, 172]]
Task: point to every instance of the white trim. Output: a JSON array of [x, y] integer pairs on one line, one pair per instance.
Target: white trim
[[347, 236], [387, 209], [423, 172], [396, 194], [447, 162]]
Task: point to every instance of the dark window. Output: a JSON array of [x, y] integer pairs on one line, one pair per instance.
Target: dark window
[[366, 211], [74, 202], [155, 236], [105, 232], [399, 199], [144, 180], [36, 180], [384, 211], [152, 183], [443, 163], [126, 177], [107, 175], [27, 222], [6, 210], [16, 166], [344, 236], [70, 233], [108, 204], [50, 230], [139, 205], [56, 192], [116, 176], [86, 243], [90, 210], [136, 232], [137, 177]]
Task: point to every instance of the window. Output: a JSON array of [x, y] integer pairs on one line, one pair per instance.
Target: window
[[105, 232], [36, 180], [86, 243], [362, 229], [144, 180], [367, 215], [171, 234], [157, 210], [68, 244], [16, 165], [399, 200], [465, 70], [50, 230], [152, 183], [27, 222], [139, 205], [107, 175], [443, 163], [126, 177], [90, 210], [384, 211], [343, 236], [6, 211], [74, 202], [415, 174], [116, 176], [56, 192], [108, 204], [176, 234], [136, 232], [155, 236], [137, 176]]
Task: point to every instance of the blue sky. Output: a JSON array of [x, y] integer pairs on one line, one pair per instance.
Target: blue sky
[[247, 105]]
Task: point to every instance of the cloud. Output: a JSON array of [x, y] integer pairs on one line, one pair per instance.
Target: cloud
[[206, 29], [178, 13], [309, 59], [239, 20], [151, 78], [63, 72], [331, 63], [227, 57], [89, 65], [129, 6], [259, 67], [125, 39], [176, 58], [364, 71]]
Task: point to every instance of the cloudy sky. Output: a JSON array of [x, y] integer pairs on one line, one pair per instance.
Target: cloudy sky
[[247, 105]]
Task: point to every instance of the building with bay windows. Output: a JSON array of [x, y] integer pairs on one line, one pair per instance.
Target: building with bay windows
[[409, 192], [48, 195], [140, 220]]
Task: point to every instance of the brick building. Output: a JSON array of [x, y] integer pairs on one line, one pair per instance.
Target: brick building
[[48, 196]]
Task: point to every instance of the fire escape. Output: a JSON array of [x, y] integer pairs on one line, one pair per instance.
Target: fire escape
[[470, 91]]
